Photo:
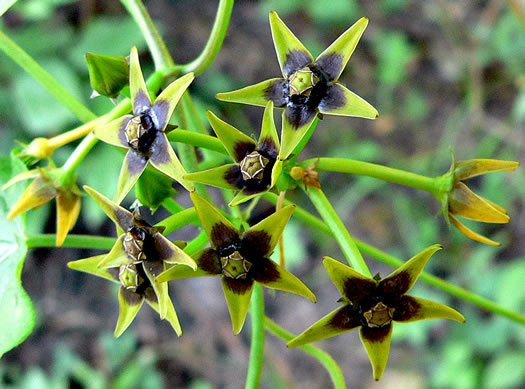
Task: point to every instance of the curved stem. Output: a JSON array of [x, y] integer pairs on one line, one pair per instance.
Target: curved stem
[[178, 220], [197, 243], [74, 134], [27, 63], [257, 343], [324, 358], [381, 172], [157, 47], [341, 234], [76, 241], [196, 139], [218, 32], [302, 143], [390, 260]]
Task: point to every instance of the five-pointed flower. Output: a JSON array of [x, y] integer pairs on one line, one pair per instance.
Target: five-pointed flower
[[309, 86], [47, 185], [143, 133], [461, 201], [373, 304], [256, 168], [240, 259], [140, 248]]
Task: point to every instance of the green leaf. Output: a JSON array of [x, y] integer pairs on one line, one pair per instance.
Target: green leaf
[[153, 188], [506, 371], [107, 74], [16, 310]]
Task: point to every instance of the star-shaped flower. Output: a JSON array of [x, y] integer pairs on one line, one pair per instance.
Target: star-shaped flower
[[240, 259], [256, 168], [141, 248], [373, 304], [144, 132], [309, 86], [461, 201]]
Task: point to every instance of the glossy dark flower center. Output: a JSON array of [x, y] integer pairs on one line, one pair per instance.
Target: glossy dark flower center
[[379, 315], [252, 166], [235, 266], [129, 277], [140, 131], [134, 243], [302, 82]]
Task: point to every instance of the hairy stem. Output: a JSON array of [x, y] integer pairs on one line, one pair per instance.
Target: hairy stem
[[257, 342]]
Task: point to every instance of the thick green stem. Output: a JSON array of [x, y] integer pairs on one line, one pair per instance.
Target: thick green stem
[[390, 260], [257, 343], [304, 140], [76, 241], [45, 79], [178, 220], [324, 358], [210, 51], [171, 205], [381, 172], [197, 243], [157, 47], [196, 139], [341, 234]]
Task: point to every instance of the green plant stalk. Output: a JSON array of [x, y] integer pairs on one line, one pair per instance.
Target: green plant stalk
[[178, 220], [157, 47], [214, 43], [257, 341], [196, 139], [172, 206], [27, 63], [341, 234], [76, 241], [381, 172], [390, 260], [324, 358], [302, 143], [197, 243]]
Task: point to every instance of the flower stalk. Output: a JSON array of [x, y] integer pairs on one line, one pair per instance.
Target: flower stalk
[[257, 339]]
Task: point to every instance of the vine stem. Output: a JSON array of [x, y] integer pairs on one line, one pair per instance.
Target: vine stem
[[176, 221], [157, 47], [324, 358], [76, 241], [196, 139], [341, 234], [390, 260], [253, 375], [381, 172]]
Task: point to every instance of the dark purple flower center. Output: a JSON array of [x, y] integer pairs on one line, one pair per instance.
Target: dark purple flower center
[[141, 132], [135, 243], [235, 266]]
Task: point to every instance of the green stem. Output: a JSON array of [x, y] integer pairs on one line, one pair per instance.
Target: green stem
[[76, 241], [196, 139], [157, 47], [341, 234], [304, 140], [171, 205], [381, 172], [212, 47], [178, 220], [27, 63], [390, 260], [257, 343], [197, 243], [324, 358]]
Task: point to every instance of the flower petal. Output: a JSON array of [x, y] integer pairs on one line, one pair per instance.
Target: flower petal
[[264, 236], [242, 197], [219, 229], [414, 309], [333, 60], [342, 102], [117, 256], [222, 176], [114, 132], [291, 53], [171, 315], [295, 123], [129, 305], [120, 216], [138, 91], [235, 142], [170, 253], [475, 167], [164, 159], [273, 276], [377, 346], [471, 234], [68, 208], [465, 203], [36, 194], [152, 270], [165, 102], [238, 294], [352, 285], [208, 264], [404, 277], [21, 177], [269, 140], [338, 321], [274, 89], [132, 167], [90, 265]]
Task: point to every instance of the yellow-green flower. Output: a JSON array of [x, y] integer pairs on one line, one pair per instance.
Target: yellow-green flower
[[373, 304], [309, 86], [241, 259], [144, 132]]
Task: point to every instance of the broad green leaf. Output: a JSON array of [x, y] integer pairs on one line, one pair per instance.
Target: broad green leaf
[[16, 310]]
